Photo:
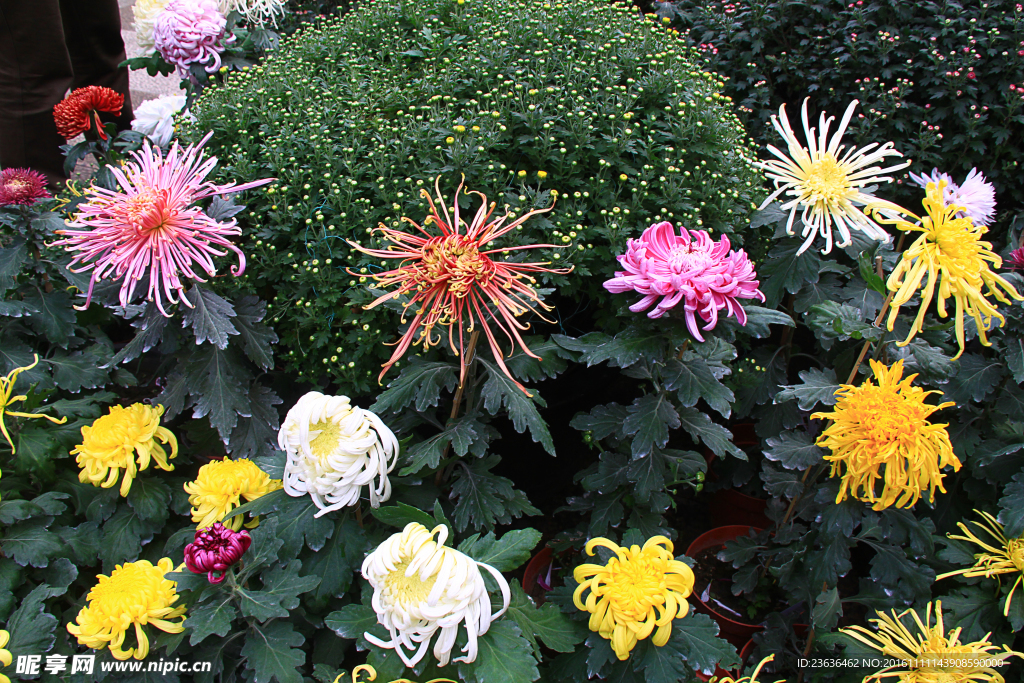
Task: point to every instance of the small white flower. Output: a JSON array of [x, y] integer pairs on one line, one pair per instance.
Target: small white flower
[[145, 12], [827, 185], [255, 11], [155, 118], [334, 449], [421, 587], [975, 196]]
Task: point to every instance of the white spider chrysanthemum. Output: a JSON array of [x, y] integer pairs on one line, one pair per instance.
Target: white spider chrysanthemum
[[255, 11], [827, 185], [421, 587], [334, 449]]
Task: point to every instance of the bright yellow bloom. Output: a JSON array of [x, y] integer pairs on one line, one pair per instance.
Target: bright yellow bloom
[[950, 252], [542, 175], [134, 593], [1005, 557], [5, 655], [6, 399], [220, 487], [931, 656], [638, 589], [885, 427], [752, 678], [116, 440], [371, 675]]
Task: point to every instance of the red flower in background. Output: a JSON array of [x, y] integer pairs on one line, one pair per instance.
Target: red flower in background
[[22, 186], [75, 113], [1015, 262], [214, 549]]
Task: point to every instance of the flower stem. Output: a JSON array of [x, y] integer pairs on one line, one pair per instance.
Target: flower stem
[[457, 403]]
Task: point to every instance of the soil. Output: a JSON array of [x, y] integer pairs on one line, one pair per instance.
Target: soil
[[713, 584]]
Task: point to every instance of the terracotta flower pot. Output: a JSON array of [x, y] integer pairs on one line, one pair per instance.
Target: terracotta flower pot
[[736, 632]]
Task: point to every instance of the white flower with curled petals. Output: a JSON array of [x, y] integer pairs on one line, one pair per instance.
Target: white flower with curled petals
[[334, 449], [421, 587], [827, 185]]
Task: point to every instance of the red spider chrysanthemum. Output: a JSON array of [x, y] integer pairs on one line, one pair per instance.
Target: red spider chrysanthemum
[[22, 186], [75, 113], [454, 281]]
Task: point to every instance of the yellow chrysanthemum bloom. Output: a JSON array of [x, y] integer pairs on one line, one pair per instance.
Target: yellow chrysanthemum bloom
[[639, 589], [6, 399], [371, 675], [5, 655], [134, 593], [220, 487], [955, 260], [1006, 556], [123, 439], [752, 678], [931, 656], [882, 433]]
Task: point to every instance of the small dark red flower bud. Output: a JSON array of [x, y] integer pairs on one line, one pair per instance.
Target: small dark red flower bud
[[214, 549]]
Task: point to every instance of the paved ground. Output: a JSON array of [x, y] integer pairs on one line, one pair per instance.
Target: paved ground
[[144, 86]]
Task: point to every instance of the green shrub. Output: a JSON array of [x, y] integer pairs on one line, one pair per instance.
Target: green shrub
[[356, 116]]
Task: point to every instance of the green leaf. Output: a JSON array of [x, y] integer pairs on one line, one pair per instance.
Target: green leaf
[[215, 381], [257, 434], [649, 421], [784, 271], [865, 263], [337, 562], [663, 664], [696, 637], [976, 378], [461, 433], [211, 618], [149, 497], [484, 498], [621, 351], [352, 621], [419, 383], [56, 318], [264, 549], [930, 360], [265, 503], [545, 625], [505, 554], [297, 522], [1011, 507], [974, 609], [648, 474], [122, 537], [209, 317], [150, 333], [37, 447], [257, 337], [401, 514], [529, 369], [80, 370], [31, 543], [714, 436], [15, 308], [11, 260], [500, 391], [759, 318], [827, 610], [280, 595], [504, 657], [31, 626], [1015, 357], [817, 387], [833, 320], [602, 421], [271, 652], [694, 379], [794, 450]]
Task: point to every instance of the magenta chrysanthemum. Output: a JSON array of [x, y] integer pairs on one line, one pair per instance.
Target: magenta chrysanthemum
[[698, 271], [191, 32], [976, 196], [214, 549], [150, 225], [1016, 260], [22, 186]]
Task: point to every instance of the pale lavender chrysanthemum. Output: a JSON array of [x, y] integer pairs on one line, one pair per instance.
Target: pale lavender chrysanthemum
[[191, 32], [975, 196], [703, 274], [150, 225]]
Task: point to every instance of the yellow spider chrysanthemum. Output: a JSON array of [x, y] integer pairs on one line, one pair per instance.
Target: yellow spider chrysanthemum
[[825, 184], [956, 261], [134, 593], [931, 656], [123, 439], [885, 427], [220, 487], [5, 655], [371, 675], [6, 399], [1006, 556], [639, 589], [752, 678]]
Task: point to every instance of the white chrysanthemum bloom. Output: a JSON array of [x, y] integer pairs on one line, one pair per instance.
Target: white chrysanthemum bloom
[[334, 449], [255, 11], [155, 118], [825, 184], [145, 12], [421, 587]]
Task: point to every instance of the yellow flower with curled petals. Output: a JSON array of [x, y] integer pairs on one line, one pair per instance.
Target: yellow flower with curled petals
[[135, 593], [1004, 556], [123, 439], [371, 675], [931, 655], [950, 257], [640, 589], [220, 487], [5, 655], [882, 433], [752, 678], [6, 399]]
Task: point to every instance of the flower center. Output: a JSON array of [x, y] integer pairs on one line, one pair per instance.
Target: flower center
[[1015, 551], [146, 210], [636, 585], [885, 417], [827, 180], [16, 185], [457, 260], [327, 440], [682, 259], [958, 245], [127, 591], [114, 431], [408, 590]]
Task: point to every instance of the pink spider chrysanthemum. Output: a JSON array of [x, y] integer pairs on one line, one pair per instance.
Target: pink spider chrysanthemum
[[975, 197], [453, 280], [705, 275], [190, 32], [151, 226], [22, 186]]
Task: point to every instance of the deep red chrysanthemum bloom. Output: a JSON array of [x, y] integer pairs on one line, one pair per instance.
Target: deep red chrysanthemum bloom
[[75, 113], [214, 549], [1016, 260], [151, 226], [453, 281], [22, 186]]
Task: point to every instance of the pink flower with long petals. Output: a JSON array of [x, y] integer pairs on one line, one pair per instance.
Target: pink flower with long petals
[[191, 32], [976, 197], [22, 186], [150, 226], [214, 549], [705, 275]]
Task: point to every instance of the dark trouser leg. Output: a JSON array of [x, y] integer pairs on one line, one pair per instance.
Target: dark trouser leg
[[92, 32], [35, 72]]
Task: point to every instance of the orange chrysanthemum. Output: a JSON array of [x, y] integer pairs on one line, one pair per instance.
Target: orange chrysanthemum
[[75, 113]]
